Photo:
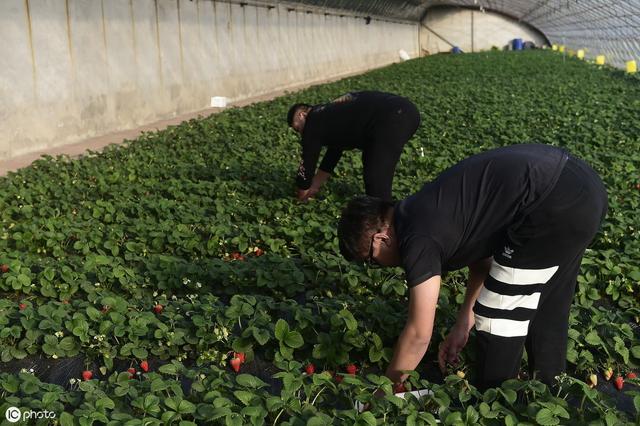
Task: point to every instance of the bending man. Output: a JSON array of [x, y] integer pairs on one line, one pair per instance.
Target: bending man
[[521, 218], [379, 124]]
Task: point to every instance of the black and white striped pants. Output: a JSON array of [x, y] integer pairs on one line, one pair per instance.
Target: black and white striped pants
[[526, 298]]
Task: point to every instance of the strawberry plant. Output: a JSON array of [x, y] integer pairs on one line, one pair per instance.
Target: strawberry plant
[[160, 262]]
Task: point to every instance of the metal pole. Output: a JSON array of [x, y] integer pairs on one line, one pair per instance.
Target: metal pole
[[472, 31]]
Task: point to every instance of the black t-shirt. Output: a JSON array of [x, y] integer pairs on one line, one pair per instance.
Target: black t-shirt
[[342, 124], [462, 216]]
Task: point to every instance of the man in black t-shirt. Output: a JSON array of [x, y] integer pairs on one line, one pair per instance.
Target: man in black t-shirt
[[378, 123], [521, 218]]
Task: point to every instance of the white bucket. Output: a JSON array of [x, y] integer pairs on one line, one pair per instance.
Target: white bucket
[[218, 102]]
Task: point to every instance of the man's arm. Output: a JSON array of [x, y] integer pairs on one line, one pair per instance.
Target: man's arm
[[414, 339], [459, 334], [304, 179], [331, 158]]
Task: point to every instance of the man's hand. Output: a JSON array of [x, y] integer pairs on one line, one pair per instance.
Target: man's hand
[[452, 345], [303, 194]]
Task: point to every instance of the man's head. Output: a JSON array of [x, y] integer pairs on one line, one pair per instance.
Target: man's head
[[297, 116], [366, 233]]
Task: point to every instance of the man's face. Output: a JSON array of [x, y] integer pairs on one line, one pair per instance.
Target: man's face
[[299, 120]]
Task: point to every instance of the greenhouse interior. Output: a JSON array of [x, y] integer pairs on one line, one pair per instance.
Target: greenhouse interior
[[319, 212]]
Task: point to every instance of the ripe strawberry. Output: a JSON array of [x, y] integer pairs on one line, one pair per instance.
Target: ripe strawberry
[[399, 388], [4, 268], [608, 373], [22, 306], [310, 369], [619, 382], [235, 364], [259, 252], [158, 308], [351, 369], [632, 375], [339, 378], [237, 256], [593, 378], [132, 372], [240, 355], [87, 375], [144, 366]]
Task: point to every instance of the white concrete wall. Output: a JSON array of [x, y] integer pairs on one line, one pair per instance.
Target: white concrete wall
[[73, 69], [471, 30]]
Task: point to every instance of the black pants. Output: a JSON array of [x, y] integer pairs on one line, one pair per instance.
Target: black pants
[[526, 298], [381, 154]]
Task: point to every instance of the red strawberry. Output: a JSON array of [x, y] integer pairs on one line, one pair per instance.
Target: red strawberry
[[144, 366], [399, 387], [351, 369], [619, 382], [310, 369], [339, 378], [22, 306], [4, 268], [158, 308], [235, 364], [87, 375], [259, 252], [632, 375], [237, 256], [132, 372], [240, 355]]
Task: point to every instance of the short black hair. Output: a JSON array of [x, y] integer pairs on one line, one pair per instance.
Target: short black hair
[[361, 217], [292, 111]]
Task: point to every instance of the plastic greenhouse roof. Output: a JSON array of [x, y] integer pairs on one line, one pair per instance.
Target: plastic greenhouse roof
[[600, 27]]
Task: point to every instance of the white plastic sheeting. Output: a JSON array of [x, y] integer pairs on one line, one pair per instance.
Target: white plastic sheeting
[[601, 27]]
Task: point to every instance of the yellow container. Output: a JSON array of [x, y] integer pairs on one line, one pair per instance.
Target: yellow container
[[600, 59], [580, 54], [561, 48], [554, 47], [632, 67]]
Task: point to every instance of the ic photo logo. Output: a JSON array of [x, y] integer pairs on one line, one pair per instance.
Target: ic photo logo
[[14, 415]]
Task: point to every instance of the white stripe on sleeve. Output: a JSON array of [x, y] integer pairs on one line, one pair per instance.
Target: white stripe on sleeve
[[502, 327], [517, 276], [494, 300]]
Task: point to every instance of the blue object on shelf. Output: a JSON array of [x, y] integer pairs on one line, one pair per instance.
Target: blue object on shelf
[[517, 44], [456, 49]]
